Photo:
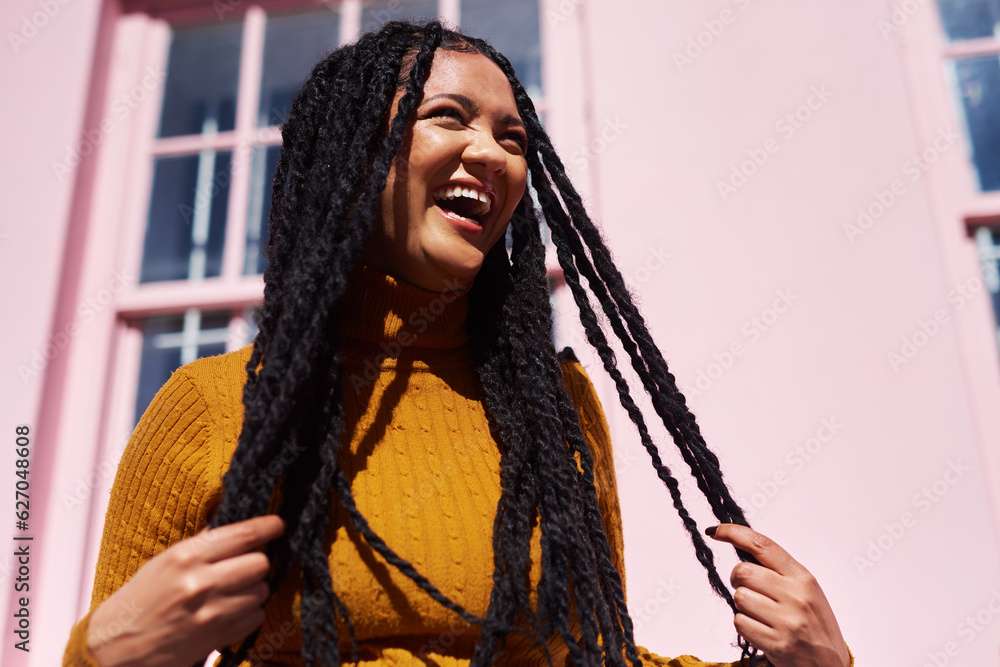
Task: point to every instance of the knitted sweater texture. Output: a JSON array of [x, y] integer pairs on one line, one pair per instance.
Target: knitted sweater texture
[[425, 471]]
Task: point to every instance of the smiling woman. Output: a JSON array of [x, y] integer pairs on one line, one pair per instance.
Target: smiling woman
[[465, 173], [459, 507]]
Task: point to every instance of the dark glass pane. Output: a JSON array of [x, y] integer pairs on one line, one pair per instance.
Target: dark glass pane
[[969, 19], [375, 14], [979, 86], [265, 160], [988, 243], [170, 341], [512, 28], [202, 78], [293, 44], [187, 217]]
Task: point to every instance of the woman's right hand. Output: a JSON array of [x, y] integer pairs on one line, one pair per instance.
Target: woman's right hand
[[202, 593]]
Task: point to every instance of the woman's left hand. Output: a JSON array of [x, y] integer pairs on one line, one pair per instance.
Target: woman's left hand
[[782, 609]]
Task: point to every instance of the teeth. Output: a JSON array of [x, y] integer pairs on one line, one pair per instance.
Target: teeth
[[452, 191]]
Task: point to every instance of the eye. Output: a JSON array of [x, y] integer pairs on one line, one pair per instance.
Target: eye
[[448, 112], [519, 138]]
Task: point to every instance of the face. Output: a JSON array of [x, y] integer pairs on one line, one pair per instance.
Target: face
[[459, 174]]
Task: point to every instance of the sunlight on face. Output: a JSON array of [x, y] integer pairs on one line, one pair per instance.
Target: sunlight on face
[[464, 174]]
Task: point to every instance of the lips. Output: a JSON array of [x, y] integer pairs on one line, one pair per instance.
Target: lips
[[471, 201]]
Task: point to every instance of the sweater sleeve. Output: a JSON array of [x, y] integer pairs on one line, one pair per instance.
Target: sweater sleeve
[[166, 483], [596, 433]]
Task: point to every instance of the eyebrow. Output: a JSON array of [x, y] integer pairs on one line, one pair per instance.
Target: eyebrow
[[472, 108]]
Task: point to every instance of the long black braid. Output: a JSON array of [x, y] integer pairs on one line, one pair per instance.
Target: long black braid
[[334, 162]]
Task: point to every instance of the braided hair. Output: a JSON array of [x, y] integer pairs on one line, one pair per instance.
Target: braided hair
[[335, 158]]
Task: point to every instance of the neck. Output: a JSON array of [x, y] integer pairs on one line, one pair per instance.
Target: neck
[[378, 308]]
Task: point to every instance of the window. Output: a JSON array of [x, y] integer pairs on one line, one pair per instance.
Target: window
[[988, 245], [229, 84], [512, 27], [169, 341], [216, 147], [972, 65], [972, 28]]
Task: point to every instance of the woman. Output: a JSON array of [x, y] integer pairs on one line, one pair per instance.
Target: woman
[[404, 381]]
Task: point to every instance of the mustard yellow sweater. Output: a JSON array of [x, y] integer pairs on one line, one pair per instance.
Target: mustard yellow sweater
[[425, 473]]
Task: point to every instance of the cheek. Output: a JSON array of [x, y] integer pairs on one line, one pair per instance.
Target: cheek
[[430, 153], [516, 189], [520, 182]]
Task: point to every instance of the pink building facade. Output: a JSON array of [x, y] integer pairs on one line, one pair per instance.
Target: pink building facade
[[805, 198]]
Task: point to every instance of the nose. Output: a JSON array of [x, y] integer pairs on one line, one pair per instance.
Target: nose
[[483, 149]]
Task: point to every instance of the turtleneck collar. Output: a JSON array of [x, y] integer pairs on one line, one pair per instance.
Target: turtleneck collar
[[378, 308]]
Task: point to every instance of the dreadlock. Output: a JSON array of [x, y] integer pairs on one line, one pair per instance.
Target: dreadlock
[[335, 159]]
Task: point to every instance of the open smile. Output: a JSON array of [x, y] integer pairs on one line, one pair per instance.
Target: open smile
[[464, 224], [465, 203]]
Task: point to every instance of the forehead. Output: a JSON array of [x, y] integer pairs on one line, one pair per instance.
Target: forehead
[[473, 75]]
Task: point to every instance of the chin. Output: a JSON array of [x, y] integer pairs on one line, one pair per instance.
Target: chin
[[463, 274], [463, 269]]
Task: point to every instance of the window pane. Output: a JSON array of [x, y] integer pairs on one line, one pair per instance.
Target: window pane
[[979, 87], [202, 78], [265, 160], [512, 28], [988, 243], [187, 217], [293, 44], [170, 341], [251, 318], [969, 19], [375, 14]]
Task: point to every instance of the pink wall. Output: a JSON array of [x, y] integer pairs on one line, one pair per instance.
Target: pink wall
[[818, 377], [48, 83], [646, 140]]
